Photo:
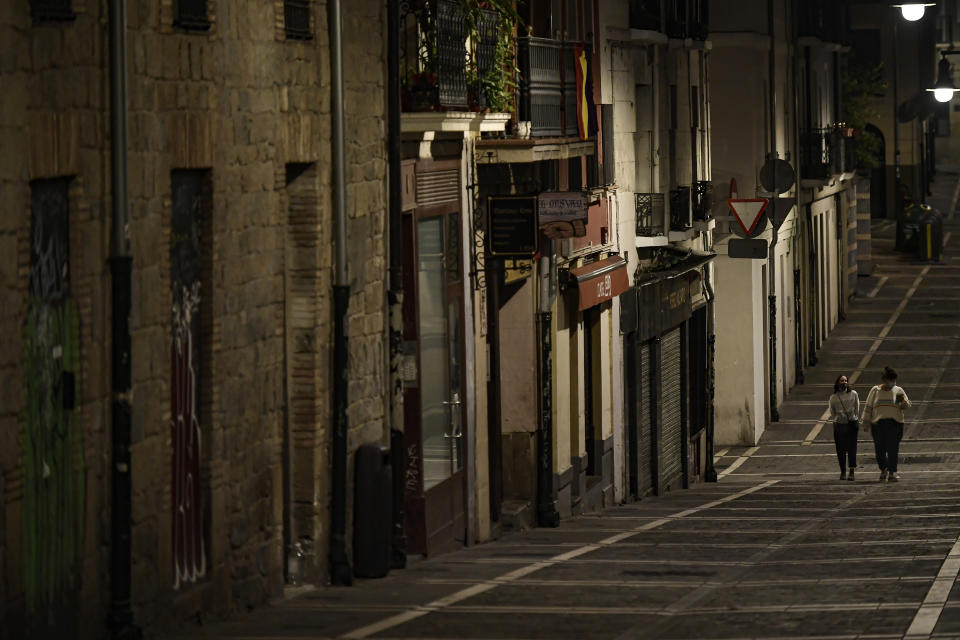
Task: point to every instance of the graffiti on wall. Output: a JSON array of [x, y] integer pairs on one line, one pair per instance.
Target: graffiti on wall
[[53, 464], [189, 556]]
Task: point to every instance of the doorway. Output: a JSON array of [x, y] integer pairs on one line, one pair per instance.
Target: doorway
[[434, 408]]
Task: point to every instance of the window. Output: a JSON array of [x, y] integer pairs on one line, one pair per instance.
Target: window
[[191, 14], [50, 10], [296, 19]]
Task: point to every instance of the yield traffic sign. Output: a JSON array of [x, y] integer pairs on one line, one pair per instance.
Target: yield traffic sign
[[748, 212]]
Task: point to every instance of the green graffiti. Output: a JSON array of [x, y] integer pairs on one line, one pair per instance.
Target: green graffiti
[[53, 465]]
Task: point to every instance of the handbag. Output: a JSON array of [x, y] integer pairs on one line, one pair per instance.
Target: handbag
[[851, 424]]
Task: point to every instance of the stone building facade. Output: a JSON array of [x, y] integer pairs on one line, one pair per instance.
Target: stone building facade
[[231, 232]]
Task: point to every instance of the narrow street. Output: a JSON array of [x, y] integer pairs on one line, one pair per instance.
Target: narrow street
[[778, 548]]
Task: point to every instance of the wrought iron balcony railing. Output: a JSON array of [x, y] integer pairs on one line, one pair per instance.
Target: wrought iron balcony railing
[[548, 88], [439, 72], [681, 217], [816, 154], [650, 208], [702, 200], [645, 14], [687, 19]]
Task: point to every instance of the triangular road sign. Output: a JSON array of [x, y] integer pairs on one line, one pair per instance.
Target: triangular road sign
[[747, 211]]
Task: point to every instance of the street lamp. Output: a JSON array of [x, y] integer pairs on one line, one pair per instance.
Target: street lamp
[[913, 11], [943, 90]]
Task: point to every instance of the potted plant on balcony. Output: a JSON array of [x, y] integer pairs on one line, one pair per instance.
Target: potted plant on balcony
[[491, 86], [420, 92]]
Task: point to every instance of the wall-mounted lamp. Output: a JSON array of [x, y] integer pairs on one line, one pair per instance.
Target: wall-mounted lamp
[[913, 11], [943, 90]]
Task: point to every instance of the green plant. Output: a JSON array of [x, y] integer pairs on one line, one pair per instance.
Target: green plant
[[862, 86], [496, 84]]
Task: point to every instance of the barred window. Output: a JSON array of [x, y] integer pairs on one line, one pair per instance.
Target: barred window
[[191, 14], [49, 10], [296, 19]]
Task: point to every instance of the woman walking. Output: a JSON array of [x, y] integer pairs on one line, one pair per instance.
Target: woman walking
[[845, 414], [884, 413]]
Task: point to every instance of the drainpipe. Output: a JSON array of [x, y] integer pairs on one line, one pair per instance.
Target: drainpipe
[[772, 257], [395, 290], [340, 572], [710, 475], [655, 134], [121, 615], [547, 515], [794, 80]]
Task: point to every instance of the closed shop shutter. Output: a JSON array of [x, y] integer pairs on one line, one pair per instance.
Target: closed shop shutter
[[670, 450], [645, 439]]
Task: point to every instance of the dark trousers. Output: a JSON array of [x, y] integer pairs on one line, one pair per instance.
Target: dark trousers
[[845, 437], [887, 434]]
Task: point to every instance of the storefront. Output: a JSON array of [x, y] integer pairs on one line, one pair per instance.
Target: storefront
[[666, 360]]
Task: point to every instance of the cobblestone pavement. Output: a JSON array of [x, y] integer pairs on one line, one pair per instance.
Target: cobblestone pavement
[[778, 548]]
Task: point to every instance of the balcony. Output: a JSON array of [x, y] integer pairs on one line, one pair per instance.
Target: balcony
[[645, 15], [548, 90], [681, 218], [445, 67], [702, 200], [815, 154], [687, 19], [650, 209]]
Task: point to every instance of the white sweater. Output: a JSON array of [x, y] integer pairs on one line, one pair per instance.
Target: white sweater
[[845, 406], [881, 404]]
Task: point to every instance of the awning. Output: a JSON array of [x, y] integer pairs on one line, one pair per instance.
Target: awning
[[600, 281], [663, 299]]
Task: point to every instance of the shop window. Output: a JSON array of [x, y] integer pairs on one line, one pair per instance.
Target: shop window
[[191, 14], [296, 19], [51, 10]]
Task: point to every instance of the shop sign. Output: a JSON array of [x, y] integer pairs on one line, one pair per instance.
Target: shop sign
[[512, 229], [662, 305], [563, 214], [600, 281]]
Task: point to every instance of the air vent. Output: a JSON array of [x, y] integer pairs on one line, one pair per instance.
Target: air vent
[[438, 187]]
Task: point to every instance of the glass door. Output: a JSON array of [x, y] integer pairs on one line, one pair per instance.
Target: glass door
[[439, 331]]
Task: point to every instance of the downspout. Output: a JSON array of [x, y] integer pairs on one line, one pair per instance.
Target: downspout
[[395, 290], [710, 475], [812, 249], [772, 256], [797, 287], [340, 572], [121, 614], [655, 134], [547, 515]]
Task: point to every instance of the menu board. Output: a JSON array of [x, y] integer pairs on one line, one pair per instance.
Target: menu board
[[512, 226]]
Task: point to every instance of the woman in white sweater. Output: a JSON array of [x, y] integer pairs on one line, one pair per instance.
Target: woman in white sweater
[[845, 415], [884, 413]]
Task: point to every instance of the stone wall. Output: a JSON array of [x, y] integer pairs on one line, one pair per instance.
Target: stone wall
[[250, 109]]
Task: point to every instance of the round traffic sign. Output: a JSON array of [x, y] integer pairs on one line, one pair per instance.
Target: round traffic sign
[[777, 175]]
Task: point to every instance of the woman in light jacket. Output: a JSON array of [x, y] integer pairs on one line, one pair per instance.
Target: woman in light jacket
[[884, 413], [845, 415]]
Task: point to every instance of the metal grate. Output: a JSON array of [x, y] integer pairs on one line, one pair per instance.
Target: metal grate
[[702, 200], [680, 211], [570, 126], [649, 207], [815, 154], [541, 92], [191, 14], [486, 51], [451, 54], [296, 19], [51, 10]]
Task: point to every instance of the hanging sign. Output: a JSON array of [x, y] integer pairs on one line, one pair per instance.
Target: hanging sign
[[512, 229], [563, 214]]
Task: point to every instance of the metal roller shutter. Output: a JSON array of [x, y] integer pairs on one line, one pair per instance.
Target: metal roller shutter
[[644, 439], [670, 451]]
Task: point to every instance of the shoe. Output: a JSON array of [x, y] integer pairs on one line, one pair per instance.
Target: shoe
[[893, 477], [843, 475], [883, 475], [850, 475]]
